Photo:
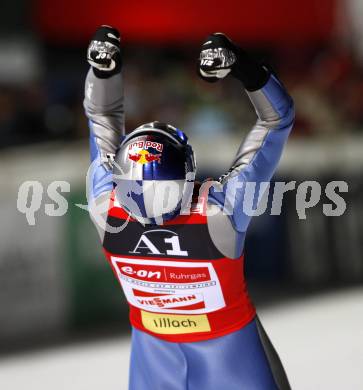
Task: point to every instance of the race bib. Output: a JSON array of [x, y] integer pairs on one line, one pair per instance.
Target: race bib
[[170, 286]]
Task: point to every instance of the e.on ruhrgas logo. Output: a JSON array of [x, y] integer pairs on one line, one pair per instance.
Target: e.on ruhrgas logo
[[143, 152], [169, 286], [165, 273]]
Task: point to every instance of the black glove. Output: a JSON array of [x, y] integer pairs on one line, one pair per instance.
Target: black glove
[[104, 52], [219, 57]]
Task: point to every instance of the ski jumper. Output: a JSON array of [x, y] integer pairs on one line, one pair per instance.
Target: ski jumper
[[194, 326]]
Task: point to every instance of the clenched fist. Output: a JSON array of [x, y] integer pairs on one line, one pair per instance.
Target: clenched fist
[[219, 56], [104, 52]]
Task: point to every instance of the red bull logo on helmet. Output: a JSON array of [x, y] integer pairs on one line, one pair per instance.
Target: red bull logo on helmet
[[139, 151]]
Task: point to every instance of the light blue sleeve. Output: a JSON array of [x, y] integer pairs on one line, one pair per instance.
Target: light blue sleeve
[[259, 154], [100, 173], [104, 107]]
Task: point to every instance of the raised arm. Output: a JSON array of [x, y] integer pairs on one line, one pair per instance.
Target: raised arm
[[259, 154], [104, 107]]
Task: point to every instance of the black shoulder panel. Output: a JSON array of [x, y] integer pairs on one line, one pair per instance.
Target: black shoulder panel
[[188, 241]]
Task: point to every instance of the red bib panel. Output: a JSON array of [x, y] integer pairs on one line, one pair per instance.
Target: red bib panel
[[179, 287]]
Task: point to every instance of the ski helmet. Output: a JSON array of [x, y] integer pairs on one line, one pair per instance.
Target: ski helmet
[[154, 172]]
